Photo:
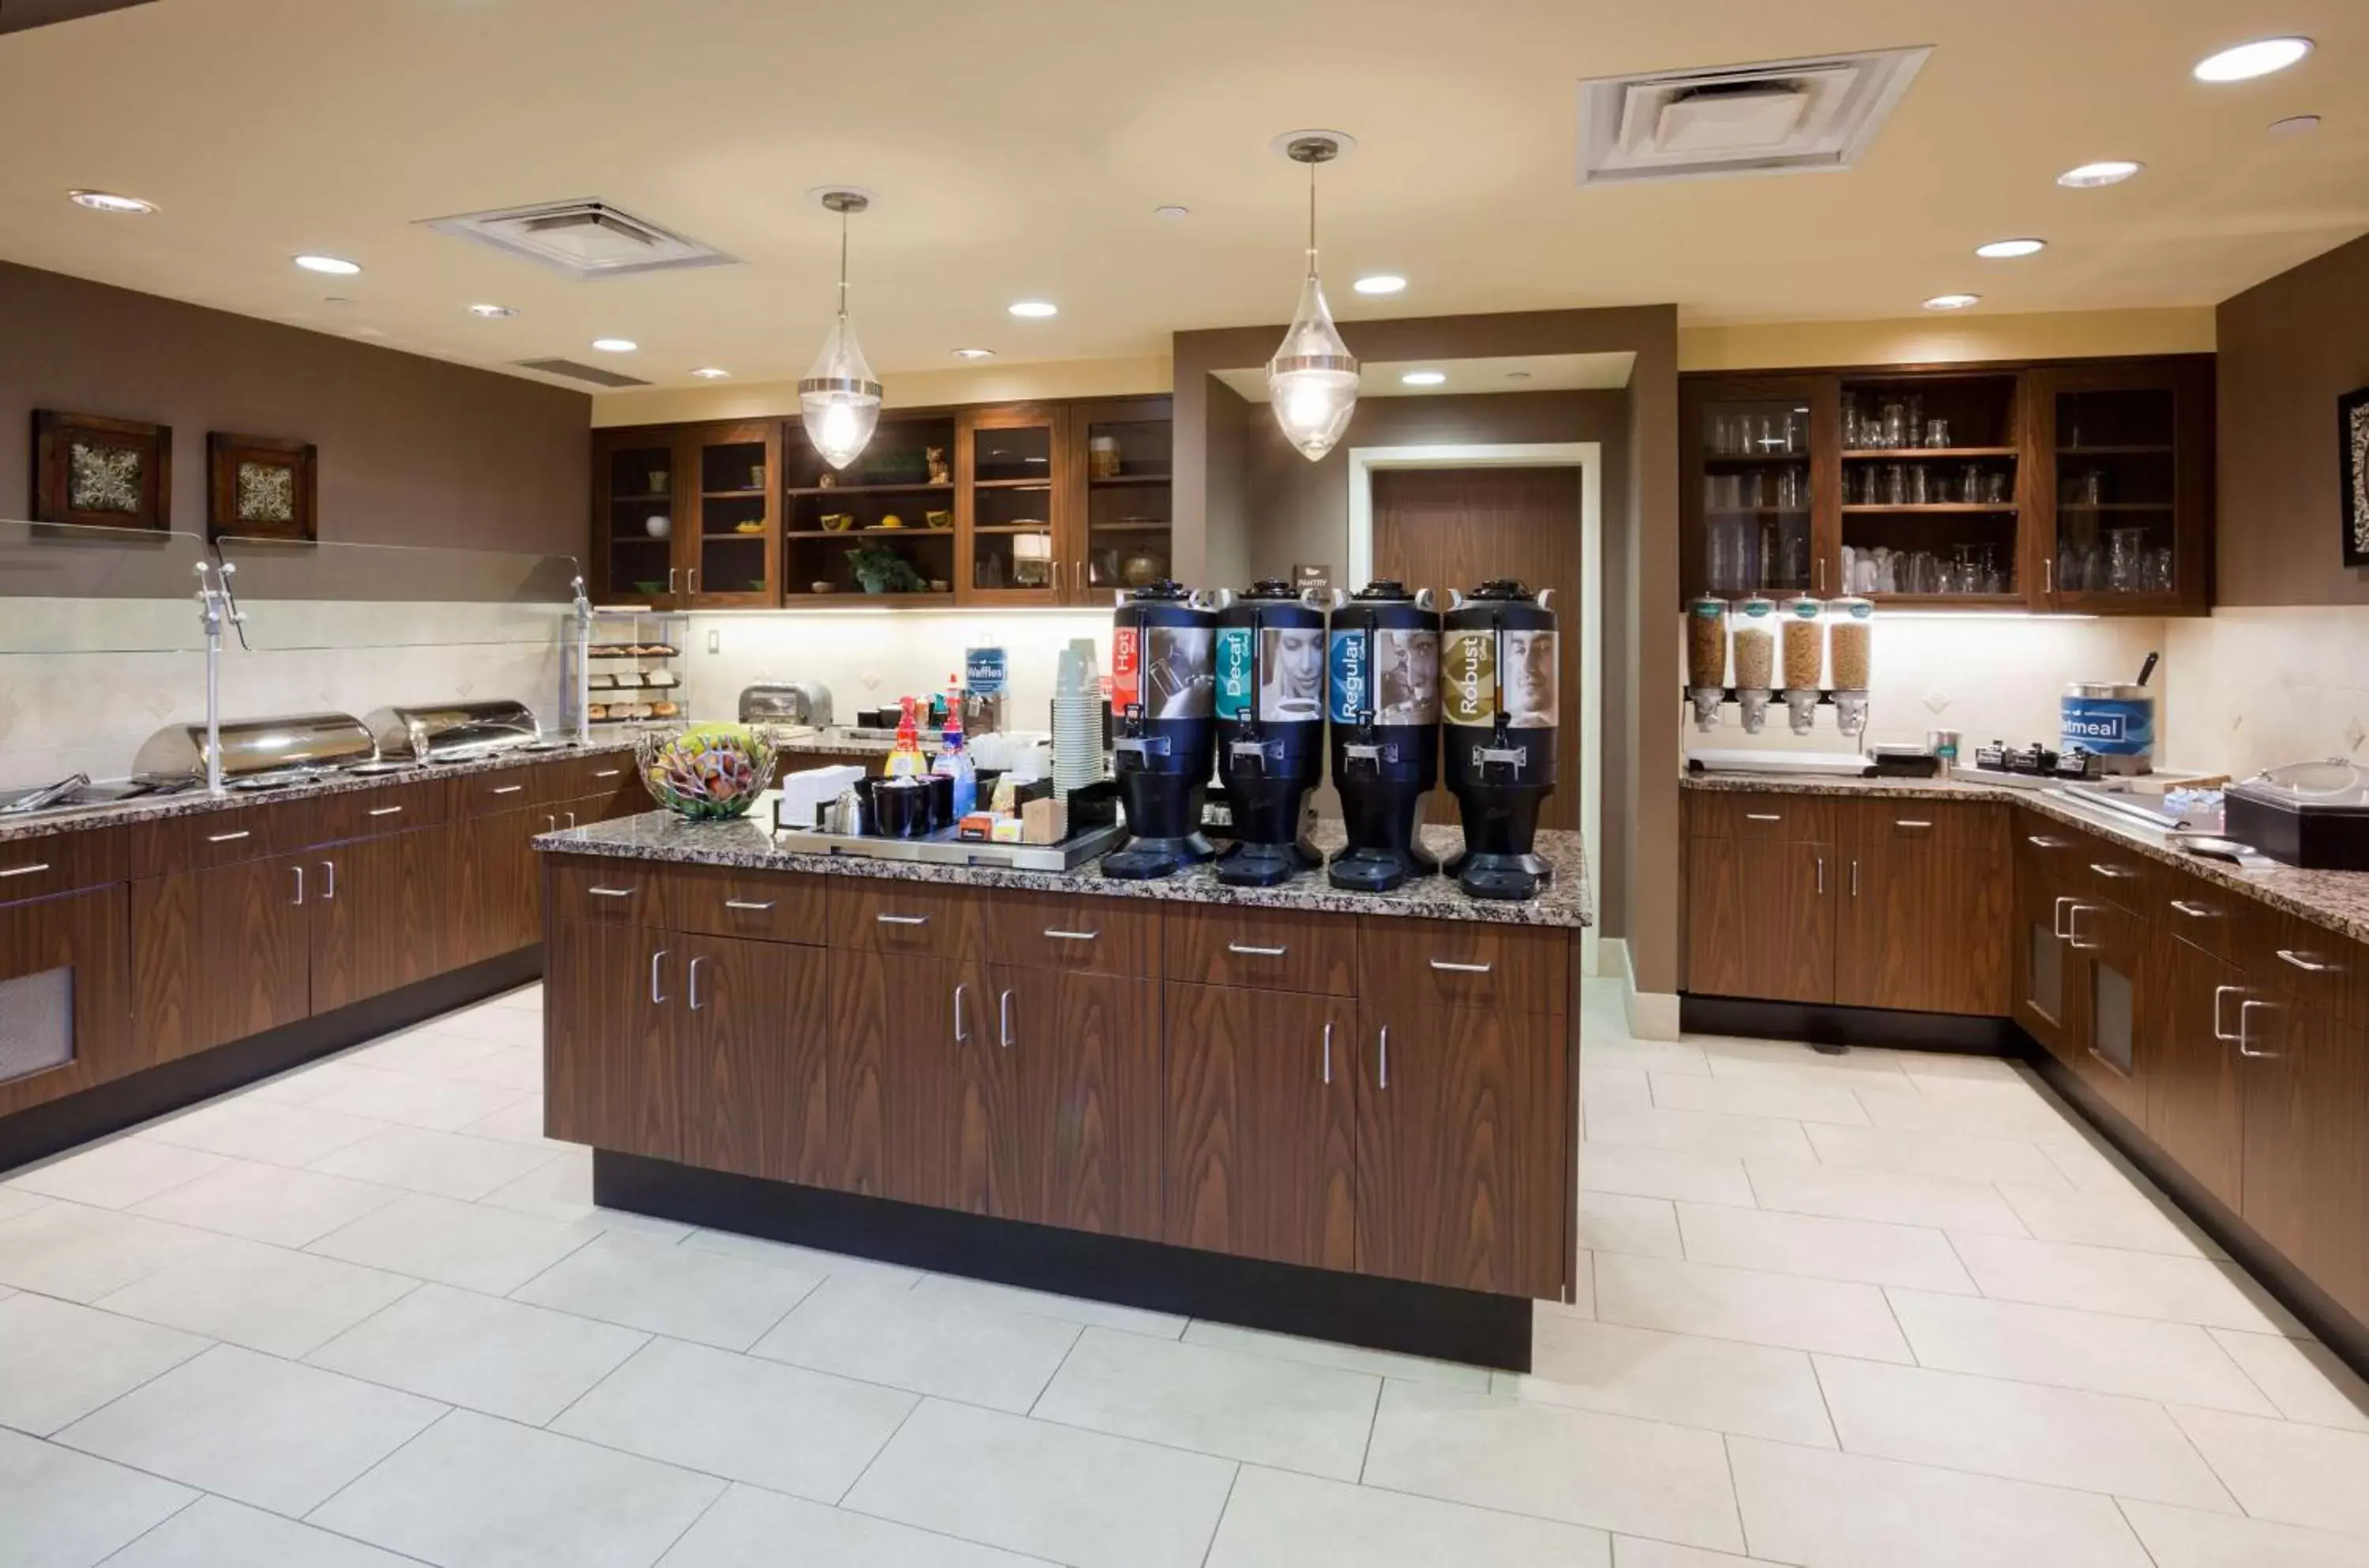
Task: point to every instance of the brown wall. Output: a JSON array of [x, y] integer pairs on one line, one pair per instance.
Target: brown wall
[[413, 450], [2289, 347]]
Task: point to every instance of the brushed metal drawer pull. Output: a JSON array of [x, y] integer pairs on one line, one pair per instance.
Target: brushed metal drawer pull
[[1071, 935], [656, 996], [384, 811], [2111, 873], [2043, 842], [2073, 927], [507, 789], [610, 774], [1327, 1053], [330, 891], [611, 892], [1382, 1078], [2221, 993], [24, 870], [1003, 1020], [571, 821], [748, 904], [229, 838], [1454, 969], [300, 884], [961, 1038], [2057, 920], [2306, 963], [1910, 822], [693, 981], [1247, 950], [2195, 911], [1854, 876], [2246, 1034], [1764, 817], [902, 920], [1822, 876], [550, 822]]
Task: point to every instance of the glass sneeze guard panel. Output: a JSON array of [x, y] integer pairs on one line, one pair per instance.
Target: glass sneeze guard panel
[[65, 589]]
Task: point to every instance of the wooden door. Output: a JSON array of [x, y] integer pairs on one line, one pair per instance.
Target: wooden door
[[1790, 891], [1086, 1052], [2306, 1107], [2044, 979], [2194, 1105], [1119, 467], [1460, 1160], [66, 959], [611, 1037], [765, 1092], [1016, 539], [2125, 444], [1444, 528], [911, 1022], [1924, 922], [358, 928], [2108, 944], [1262, 1157], [642, 513], [501, 884], [731, 555], [220, 953]]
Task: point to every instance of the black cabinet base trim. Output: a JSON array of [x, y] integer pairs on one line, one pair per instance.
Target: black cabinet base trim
[[38, 1132], [1820, 1024], [1472, 1326]]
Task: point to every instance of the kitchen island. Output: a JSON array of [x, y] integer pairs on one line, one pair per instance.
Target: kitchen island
[[1292, 1108]]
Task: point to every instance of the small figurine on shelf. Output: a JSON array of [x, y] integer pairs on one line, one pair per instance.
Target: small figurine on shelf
[[938, 472], [828, 481]]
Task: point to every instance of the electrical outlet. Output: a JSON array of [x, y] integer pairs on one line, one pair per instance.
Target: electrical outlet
[[714, 639]]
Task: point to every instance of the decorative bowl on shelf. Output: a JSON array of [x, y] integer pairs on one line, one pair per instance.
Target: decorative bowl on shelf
[[837, 521], [940, 519], [752, 527], [708, 773], [651, 586], [658, 526], [821, 587]]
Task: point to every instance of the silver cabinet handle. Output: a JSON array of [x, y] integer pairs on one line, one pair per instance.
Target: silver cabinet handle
[[1327, 1053], [385, 811], [1910, 822], [1247, 950], [1454, 969], [901, 920], [2073, 927], [690, 579], [2221, 994], [1382, 1075], [657, 996], [1822, 573], [1057, 580], [672, 572], [300, 883], [2043, 842], [2057, 920], [2048, 573], [2246, 1033], [1764, 817], [1822, 876], [1854, 876], [1003, 1020], [1071, 935], [692, 979], [229, 838], [610, 774], [2306, 963], [611, 892], [571, 821], [748, 904], [329, 887], [507, 789], [550, 822], [2195, 911], [2111, 873], [24, 870], [961, 1038]]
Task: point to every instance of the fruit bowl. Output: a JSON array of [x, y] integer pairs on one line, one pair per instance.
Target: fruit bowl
[[708, 773]]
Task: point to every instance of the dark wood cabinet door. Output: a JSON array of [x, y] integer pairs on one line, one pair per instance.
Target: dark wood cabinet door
[[898, 1017], [2112, 1046], [70, 957], [2306, 1107], [766, 1089], [1790, 891], [1088, 1138], [1262, 1156], [612, 1036], [1923, 924], [2194, 1105], [358, 928], [2043, 965], [221, 954], [501, 884], [1460, 1151]]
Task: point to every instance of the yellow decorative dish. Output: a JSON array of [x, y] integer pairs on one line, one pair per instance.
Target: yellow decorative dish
[[837, 521]]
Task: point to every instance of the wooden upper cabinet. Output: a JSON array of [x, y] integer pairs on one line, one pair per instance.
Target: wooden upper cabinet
[[2122, 485], [1121, 470], [730, 555], [1017, 538], [641, 503]]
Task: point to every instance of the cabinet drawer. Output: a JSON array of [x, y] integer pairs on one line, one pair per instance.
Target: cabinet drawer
[[611, 775], [1220, 945], [60, 863], [724, 900], [372, 813], [601, 887], [1418, 962], [2107, 870], [1756, 814], [1910, 823], [2198, 912], [2046, 849], [218, 838], [885, 915], [1085, 933], [503, 789], [2308, 961]]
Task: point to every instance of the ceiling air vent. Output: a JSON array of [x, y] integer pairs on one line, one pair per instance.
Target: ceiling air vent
[[583, 239], [1779, 117], [578, 371]]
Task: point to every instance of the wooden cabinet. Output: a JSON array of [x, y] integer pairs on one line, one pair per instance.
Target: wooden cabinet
[[1089, 1129], [2194, 1108], [2121, 490], [64, 961], [2306, 1098], [688, 516], [220, 953], [376, 923], [914, 1016], [2111, 1045], [610, 1060], [1017, 537], [499, 899], [766, 1090], [1760, 919]]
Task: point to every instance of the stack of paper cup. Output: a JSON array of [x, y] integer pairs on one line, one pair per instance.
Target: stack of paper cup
[[1077, 719]]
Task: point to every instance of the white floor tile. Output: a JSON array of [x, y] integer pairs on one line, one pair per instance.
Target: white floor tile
[[1279, 1520], [2188, 1538], [1645, 1055], [502, 1358], [2284, 1470], [60, 1361], [215, 1532], [1698, 1132], [1614, 1223], [2136, 1285], [411, 1099], [752, 1528], [254, 1428], [1946, 1068], [1630, 1087], [1762, 1309], [506, 1026], [81, 1253], [268, 1298], [1787, 1061], [2016, 1431], [477, 1493], [1080, 1498], [517, 1068], [16, 1202], [118, 1174], [783, 1427], [1896, 1198], [302, 1086], [521, 1123], [1721, 1385], [1636, 1551], [2014, 1112], [2143, 1357], [1759, 1097], [1286, 1414], [1343, 1358], [1848, 1511], [811, 1260], [1864, 1251], [426, 1049], [1930, 1154], [247, 1128], [529, 998], [446, 1165], [2303, 1379], [561, 1188], [493, 1250], [2126, 1218], [1634, 1172], [1046, 1304], [1643, 1477], [882, 1332], [67, 1510], [709, 1298], [267, 1202]]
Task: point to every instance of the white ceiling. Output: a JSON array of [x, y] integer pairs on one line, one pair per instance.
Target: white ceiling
[[1019, 149], [1526, 372]]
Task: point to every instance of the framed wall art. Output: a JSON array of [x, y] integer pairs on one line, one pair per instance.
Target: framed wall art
[[261, 487], [98, 472], [2352, 445]]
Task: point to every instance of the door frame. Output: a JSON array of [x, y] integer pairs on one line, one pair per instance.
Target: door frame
[[1588, 458]]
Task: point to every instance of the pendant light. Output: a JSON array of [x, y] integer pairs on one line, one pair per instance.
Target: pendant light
[[839, 400], [1313, 380]]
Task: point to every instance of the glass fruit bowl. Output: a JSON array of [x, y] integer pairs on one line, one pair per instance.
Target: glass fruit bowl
[[708, 773]]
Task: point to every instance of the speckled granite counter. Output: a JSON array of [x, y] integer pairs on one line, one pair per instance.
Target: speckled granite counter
[[195, 802], [663, 836], [2336, 900]]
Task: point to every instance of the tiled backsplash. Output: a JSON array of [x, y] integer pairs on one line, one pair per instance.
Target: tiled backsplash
[[2259, 687]]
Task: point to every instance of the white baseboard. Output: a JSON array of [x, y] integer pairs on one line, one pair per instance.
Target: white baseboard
[[1652, 1015]]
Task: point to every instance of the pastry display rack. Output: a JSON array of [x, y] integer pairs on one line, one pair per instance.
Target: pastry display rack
[[620, 669]]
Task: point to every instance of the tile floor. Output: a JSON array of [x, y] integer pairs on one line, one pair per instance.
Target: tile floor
[[1882, 1311]]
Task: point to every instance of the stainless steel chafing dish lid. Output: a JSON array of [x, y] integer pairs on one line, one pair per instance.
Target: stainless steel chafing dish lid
[[440, 729], [253, 746]]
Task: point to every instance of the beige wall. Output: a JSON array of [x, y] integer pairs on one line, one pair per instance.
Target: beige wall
[[989, 383], [1946, 340]]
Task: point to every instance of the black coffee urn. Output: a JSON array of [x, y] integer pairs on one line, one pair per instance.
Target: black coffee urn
[[1382, 698], [1499, 715], [1270, 705], [1164, 738]]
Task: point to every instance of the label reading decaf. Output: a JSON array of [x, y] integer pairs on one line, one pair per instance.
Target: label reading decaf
[[1126, 671], [1291, 674], [1406, 676], [1467, 668], [1233, 672], [1351, 681]]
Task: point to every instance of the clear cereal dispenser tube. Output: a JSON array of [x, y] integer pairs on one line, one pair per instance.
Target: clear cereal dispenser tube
[[1707, 659], [1804, 652]]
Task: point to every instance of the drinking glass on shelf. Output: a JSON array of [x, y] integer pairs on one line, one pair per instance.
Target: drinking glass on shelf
[[1797, 430], [1916, 412], [1895, 427], [1924, 574], [2160, 577], [1896, 484], [1749, 491], [2125, 560], [1970, 483], [1731, 566], [1853, 436], [1995, 486], [1921, 485], [1937, 432]]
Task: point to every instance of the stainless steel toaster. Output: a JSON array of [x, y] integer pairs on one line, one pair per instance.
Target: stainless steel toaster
[[786, 701]]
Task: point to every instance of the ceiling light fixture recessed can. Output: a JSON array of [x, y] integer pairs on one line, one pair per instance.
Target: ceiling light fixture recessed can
[[2294, 125], [335, 266], [615, 345], [1954, 301], [493, 312], [973, 353], [1172, 212], [108, 201], [2245, 61], [2008, 249], [1034, 310], [1423, 378], [710, 372], [2105, 171], [1380, 283]]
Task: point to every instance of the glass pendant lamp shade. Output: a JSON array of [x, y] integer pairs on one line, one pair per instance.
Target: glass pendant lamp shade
[[1313, 380], [839, 400]]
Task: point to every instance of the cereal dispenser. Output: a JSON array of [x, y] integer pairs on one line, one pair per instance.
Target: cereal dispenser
[[1754, 634], [1804, 647], [1850, 632], [1707, 659]]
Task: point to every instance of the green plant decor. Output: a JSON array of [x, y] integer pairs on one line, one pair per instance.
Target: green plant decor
[[881, 570]]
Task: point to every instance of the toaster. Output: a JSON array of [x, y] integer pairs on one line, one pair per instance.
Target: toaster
[[786, 701]]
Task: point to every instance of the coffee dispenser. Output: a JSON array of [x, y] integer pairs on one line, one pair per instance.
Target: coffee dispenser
[[1382, 698], [1270, 706], [1499, 710], [1161, 689]]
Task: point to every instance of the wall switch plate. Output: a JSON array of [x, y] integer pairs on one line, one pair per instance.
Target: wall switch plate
[[715, 640]]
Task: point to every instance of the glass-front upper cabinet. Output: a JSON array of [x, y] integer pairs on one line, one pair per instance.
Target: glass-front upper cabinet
[[1124, 457], [1754, 460], [733, 555], [2127, 454], [883, 529], [1010, 508], [634, 517], [1932, 488]]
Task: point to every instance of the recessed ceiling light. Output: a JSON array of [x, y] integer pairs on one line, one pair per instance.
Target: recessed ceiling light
[[336, 265], [973, 353], [108, 201], [1423, 378], [494, 312], [615, 345], [2294, 125], [710, 372], [2106, 171], [1034, 310], [2004, 249], [1380, 284], [1517, 376], [1171, 211], [2247, 61], [1952, 302]]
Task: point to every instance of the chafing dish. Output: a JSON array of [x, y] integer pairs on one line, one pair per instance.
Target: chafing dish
[[444, 732], [256, 748]]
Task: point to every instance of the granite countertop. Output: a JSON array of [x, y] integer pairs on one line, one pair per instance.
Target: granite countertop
[[748, 842], [2335, 900], [192, 803]]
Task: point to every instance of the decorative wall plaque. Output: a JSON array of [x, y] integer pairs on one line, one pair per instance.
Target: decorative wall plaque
[[98, 472], [261, 487]]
